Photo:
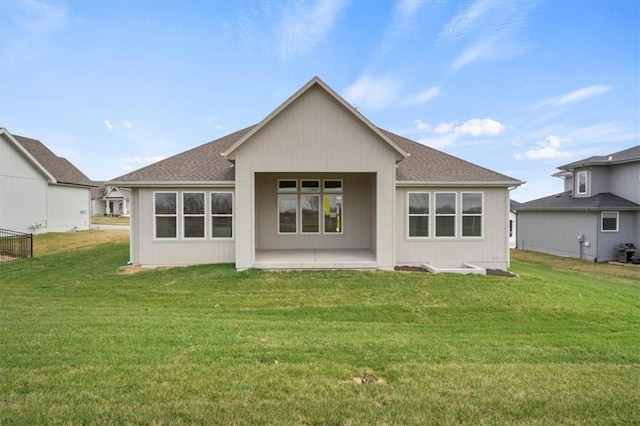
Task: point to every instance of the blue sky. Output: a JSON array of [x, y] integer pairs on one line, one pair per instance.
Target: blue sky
[[520, 87]]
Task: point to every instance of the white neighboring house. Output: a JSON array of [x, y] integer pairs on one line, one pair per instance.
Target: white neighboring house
[[110, 200], [39, 191], [513, 221], [316, 185]]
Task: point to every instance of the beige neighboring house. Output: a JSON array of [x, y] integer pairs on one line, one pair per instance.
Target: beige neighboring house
[[39, 191], [316, 185], [110, 200]]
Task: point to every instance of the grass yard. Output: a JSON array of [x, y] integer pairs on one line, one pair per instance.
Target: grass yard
[[85, 343], [110, 220]]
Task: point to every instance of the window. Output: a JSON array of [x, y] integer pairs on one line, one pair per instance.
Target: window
[[332, 186], [287, 214], [582, 183], [287, 185], [193, 214], [609, 221], [165, 214], [333, 214], [445, 214], [472, 214], [310, 214], [310, 185], [418, 214], [221, 215]]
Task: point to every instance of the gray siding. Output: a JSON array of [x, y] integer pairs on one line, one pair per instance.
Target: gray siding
[[625, 181], [557, 232], [627, 233], [147, 251], [490, 251]]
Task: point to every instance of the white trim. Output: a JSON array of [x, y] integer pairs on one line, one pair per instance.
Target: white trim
[[184, 215], [584, 173], [295, 197], [617, 222], [462, 215], [408, 216], [232, 215], [333, 190], [436, 215], [293, 190], [155, 216]]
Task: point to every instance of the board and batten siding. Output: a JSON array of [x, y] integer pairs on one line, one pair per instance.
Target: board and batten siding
[[315, 134], [489, 251], [557, 232], [625, 181], [68, 208], [148, 251], [628, 229], [23, 192]]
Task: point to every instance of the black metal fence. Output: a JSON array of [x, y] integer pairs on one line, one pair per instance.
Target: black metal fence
[[15, 245]]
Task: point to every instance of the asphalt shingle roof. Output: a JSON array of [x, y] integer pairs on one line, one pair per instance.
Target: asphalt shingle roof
[[206, 164], [60, 168], [624, 156], [565, 201]]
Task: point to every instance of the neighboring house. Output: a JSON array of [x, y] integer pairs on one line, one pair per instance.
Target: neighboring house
[[598, 210], [39, 191], [110, 200], [513, 222], [316, 185]]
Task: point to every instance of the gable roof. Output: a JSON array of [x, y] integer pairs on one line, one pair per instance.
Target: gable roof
[[625, 156], [565, 201], [315, 81], [56, 169], [205, 165]]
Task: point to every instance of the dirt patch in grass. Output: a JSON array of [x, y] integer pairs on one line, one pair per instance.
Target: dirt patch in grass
[[492, 272]]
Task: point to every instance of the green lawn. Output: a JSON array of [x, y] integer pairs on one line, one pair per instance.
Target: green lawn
[[83, 343]]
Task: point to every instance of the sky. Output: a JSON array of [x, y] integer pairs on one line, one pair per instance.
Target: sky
[[519, 87]]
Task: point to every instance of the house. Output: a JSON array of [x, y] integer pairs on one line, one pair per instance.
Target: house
[[316, 185], [598, 210], [39, 191], [110, 200], [513, 221]]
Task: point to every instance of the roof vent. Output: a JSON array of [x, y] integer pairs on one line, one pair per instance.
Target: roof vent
[[610, 157]]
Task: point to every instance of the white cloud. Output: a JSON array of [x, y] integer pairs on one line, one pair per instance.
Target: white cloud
[[575, 96], [130, 163], [421, 97], [550, 147], [480, 127], [304, 26], [402, 26], [39, 17], [492, 29], [474, 127], [108, 124], [373, 92], [127, 124]]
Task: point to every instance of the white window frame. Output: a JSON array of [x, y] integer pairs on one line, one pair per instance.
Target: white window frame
[[428, 215], [156, 215], [333, 190], [436, 215], [280, 196], [586, 182], [203, 215], [232, 216], [617, 222], [320, 211], [310, 190], [293, 190], [463, 215]]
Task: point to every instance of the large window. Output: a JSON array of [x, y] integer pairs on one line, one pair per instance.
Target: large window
[[165, 214], [582, 183], [445, 214], [193, 214], [472, 214], [609, 221], [221, 215], [418, 214], [310, 206], [287, 214]]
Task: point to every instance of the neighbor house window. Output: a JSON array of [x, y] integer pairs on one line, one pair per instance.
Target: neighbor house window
[[193, 214], [582, 183], [472, 214], [221, 215], [418, 214], [333, 212], [609, 221], [165, 214], [445, 210]]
